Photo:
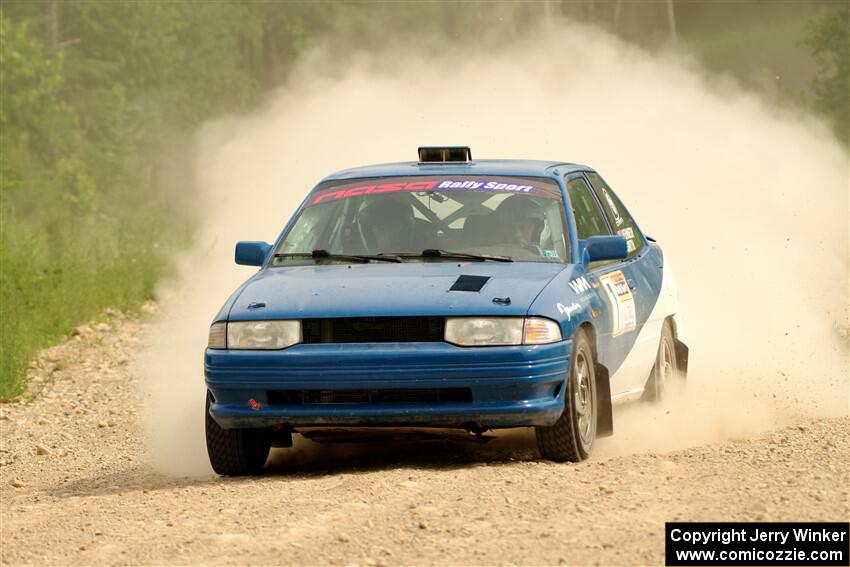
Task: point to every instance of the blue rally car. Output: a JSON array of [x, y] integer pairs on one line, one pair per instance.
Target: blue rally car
[[444, 293]]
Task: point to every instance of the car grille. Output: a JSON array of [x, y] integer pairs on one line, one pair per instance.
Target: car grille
[[373, 330], [384, 396]]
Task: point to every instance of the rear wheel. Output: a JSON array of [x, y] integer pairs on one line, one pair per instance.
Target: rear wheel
[[571, 438], [664, 373], [236, 452]]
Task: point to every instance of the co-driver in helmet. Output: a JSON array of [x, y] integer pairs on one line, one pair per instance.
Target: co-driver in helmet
[[522, 222]]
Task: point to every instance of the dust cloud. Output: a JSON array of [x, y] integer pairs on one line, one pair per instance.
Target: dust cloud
[[750, 204]]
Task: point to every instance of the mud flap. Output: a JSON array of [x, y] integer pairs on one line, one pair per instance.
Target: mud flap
[[681, 357], [282, 437], [605, 420]]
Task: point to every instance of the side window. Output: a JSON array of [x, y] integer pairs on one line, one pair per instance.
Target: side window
[[618, 216], [588, 215]]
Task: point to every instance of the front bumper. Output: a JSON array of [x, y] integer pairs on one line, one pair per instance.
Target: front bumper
[[510, 386]]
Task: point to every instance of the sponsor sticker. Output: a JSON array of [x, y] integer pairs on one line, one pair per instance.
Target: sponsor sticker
[[580, 285], [629, 234], [371, 190], [626, 233], [623, 314], [618, 220], [568, 310], [483, 185]]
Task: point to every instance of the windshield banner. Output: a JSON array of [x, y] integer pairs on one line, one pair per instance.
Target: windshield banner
[[530, 186]]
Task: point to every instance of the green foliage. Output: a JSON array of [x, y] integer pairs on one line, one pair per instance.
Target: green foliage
[[99, 100], [829, 40], [37, 78]]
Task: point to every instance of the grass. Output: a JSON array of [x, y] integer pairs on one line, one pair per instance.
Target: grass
[[58, 276]]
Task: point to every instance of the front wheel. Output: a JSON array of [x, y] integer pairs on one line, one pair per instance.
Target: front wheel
[[236, 452], [571, 438]]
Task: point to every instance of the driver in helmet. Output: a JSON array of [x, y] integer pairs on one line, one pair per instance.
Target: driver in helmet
[[387, 225], [522, 222]]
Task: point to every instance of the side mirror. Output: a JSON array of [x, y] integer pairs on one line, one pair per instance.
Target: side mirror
[[252, 253], [605, 248]]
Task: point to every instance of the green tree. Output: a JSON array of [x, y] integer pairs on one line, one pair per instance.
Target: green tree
[[829, 41]]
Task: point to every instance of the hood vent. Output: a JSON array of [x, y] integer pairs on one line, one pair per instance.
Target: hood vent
[[469, 283]]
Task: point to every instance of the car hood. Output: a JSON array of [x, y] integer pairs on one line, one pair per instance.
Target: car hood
[[374, 290]]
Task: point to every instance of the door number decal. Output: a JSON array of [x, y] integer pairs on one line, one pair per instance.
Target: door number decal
[[623, 315]]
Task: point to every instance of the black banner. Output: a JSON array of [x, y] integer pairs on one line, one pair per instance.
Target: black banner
[[757, 543]]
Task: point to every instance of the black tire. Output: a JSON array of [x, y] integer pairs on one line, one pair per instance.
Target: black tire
[[572, 437], [664, 371], [236, 452]]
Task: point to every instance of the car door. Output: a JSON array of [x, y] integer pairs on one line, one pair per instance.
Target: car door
[[633, 286], [608, 279]]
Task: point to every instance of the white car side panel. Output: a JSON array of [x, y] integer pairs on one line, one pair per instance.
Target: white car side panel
[[632, 375]]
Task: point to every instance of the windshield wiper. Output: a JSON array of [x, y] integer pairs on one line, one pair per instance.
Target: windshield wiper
[[435, 253], [325, 255]]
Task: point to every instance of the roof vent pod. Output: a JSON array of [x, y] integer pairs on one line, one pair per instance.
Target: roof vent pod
[[447, 154]]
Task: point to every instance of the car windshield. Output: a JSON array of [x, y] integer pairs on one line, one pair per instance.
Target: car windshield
[[521, 218]]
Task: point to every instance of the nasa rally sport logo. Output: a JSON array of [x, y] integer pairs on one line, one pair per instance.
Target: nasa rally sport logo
[[484, 185]]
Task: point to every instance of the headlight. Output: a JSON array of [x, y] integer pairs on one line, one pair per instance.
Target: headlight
[[539, 331], [263, 335], [480, 331], [496, 331], [218, 335]]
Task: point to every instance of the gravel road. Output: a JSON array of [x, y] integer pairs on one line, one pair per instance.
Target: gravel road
[[77, 489]]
